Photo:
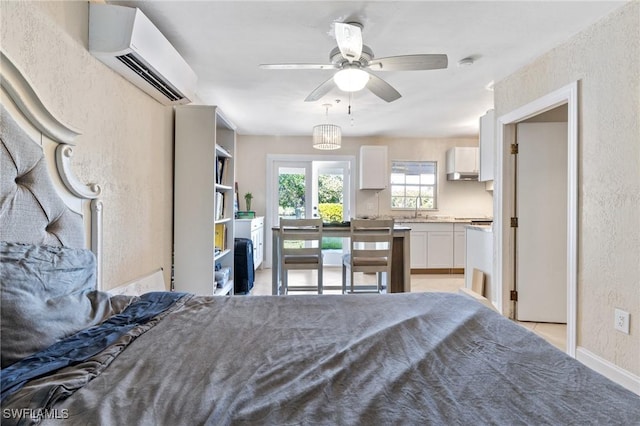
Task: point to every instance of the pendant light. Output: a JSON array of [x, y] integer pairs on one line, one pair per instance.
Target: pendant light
[[327, 136]]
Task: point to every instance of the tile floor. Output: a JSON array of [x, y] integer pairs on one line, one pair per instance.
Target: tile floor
[[332, 276]]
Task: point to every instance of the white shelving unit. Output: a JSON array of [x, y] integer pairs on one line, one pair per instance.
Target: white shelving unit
[[204, 178]]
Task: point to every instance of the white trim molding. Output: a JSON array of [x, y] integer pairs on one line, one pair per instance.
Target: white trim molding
[[565, 95], [609, 370]]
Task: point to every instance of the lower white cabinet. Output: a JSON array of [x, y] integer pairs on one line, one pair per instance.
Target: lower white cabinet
[[440, 247], [437, 245], [254, 230], [418, 245]]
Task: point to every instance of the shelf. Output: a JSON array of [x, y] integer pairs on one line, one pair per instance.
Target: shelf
[[222, 254], [227, 289], [222, 152], [219, 186], [223, 220]]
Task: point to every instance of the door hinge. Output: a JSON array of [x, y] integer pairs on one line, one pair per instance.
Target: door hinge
[[514, 148], [514, 295], [514, 222]]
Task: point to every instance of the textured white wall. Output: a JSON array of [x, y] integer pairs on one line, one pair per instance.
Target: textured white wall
[[127, 140], [605, 59], [455, 198]]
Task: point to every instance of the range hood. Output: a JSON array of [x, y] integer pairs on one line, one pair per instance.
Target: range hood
[[463, 163]]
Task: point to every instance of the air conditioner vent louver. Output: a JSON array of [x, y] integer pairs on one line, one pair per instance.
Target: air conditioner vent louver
[[149, 76]]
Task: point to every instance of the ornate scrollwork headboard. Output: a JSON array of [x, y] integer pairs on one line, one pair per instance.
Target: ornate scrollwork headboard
[[41, 200]]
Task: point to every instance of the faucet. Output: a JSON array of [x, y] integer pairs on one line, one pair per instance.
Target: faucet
[[418, 202]]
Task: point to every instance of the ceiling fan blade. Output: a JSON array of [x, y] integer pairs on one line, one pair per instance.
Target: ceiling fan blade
[[320, 91], [297, 66], [382, 89], [409, 62], [349, 38]]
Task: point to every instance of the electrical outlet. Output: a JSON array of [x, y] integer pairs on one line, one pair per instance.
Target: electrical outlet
[[621, 321]]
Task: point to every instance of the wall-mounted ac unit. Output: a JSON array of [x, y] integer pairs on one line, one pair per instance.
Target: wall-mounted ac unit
[[128, 42]]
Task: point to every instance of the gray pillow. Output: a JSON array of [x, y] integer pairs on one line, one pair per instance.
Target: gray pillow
[[48, 293]]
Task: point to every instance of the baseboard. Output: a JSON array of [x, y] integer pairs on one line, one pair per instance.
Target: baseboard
[[447, 271], [609, 370]]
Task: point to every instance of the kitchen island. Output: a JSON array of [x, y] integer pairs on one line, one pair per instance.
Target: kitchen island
[[479, 255], [437, 243], [400, 265]]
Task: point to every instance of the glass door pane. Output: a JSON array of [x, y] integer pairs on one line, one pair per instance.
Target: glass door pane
[[331, 202], [293, 186]]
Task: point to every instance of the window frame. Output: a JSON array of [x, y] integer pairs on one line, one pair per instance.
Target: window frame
[[422, 185]]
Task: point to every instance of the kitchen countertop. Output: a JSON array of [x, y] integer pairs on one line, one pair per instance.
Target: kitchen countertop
[[483, 228], [436, 219]]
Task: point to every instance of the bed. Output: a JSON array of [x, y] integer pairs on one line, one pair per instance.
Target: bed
[[72, 354]]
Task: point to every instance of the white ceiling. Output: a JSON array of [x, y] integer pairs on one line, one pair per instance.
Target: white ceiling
[[225, 41]]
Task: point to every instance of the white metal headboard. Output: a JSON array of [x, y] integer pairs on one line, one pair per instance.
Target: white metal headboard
[[81, 207]]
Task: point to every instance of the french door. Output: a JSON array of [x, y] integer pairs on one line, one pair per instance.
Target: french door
[[312, 187]]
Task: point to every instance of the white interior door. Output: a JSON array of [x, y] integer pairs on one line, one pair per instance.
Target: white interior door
[[541, 235]]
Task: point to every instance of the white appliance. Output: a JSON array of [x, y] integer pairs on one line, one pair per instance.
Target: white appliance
[[463, 163], [128, 42]]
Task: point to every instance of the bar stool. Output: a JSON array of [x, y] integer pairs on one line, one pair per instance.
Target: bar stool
[[300, 248], [371, 249]]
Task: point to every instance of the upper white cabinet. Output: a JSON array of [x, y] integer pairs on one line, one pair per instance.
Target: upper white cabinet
[[463, 163], [204, 177], [487, 145], [373, 167]]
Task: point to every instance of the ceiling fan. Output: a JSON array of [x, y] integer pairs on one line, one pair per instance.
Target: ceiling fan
[[354, 60]]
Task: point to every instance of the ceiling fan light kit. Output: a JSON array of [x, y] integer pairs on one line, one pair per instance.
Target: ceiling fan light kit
[[351, 79]]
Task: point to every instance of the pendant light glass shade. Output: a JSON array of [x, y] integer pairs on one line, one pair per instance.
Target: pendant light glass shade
[[351, 79], [327, 136]]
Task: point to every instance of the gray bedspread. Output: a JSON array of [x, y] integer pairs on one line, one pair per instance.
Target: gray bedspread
[[402, 359]]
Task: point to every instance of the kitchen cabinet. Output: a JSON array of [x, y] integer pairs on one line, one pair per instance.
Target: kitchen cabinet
[[204, 177], [373, 167], [418, 244], [463, 163], [252, 229], [440, 248], [487, 146], [436, 245]]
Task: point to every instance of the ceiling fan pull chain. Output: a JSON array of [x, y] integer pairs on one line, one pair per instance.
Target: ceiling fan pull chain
[[351, 121]]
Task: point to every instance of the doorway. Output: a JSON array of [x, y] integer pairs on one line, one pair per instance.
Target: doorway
[[504, 193], [311, 187]]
